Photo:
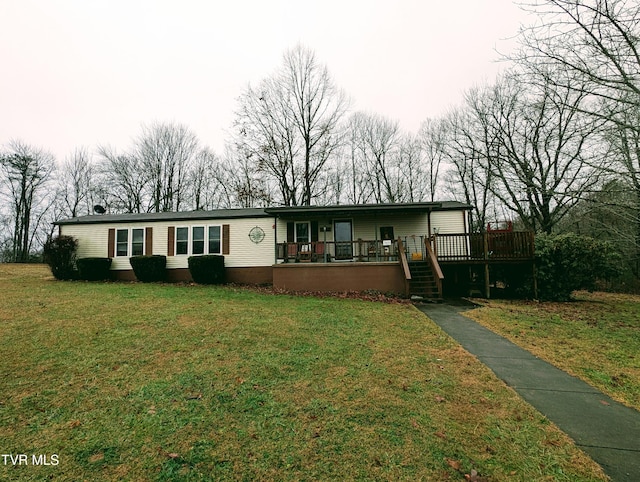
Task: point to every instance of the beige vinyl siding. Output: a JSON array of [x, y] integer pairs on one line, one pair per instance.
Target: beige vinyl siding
[[364, 227], [451, 222], [448, 222], [368, 228], [281, 228], [93, 241]]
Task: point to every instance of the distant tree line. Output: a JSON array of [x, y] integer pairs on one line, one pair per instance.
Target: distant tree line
[[553, 145]]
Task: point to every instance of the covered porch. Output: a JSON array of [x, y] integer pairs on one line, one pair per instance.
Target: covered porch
[[361, 233], [388, 248]]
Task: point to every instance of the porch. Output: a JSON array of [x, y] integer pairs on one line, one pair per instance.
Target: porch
[[407, 265], [489, 247]]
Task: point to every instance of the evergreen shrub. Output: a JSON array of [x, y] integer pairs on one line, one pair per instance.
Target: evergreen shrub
[[565, 263], [60, 254], [93, 269], [207, 269], [149, 268]]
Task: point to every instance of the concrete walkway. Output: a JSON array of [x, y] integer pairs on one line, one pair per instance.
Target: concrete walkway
[[605, 429]]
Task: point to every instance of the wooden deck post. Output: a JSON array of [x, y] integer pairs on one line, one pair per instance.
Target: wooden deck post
[[487, 285]]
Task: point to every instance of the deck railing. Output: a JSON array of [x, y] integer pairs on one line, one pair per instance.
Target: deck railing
[[503, 246], [491, 246], [324, 251]]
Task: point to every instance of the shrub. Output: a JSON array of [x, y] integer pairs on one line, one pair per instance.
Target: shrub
[[569, 262], [208, 269], [149, 268], [93, 269], [60, 254]]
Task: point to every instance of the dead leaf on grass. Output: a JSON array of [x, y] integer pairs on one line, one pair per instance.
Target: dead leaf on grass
[[75, 423], [440, 399], [441, 435], [454, 464], [96, 458]]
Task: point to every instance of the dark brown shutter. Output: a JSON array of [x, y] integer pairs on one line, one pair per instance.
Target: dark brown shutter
[[290, 232], [314, 231], [225, 239], [171, 238], [148, 241], [111, 243]]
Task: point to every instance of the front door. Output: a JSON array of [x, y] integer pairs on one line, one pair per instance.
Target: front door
[[344, 239]]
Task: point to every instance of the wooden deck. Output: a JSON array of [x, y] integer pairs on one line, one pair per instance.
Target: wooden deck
[[422, 261], [470, 248], [492, 247]]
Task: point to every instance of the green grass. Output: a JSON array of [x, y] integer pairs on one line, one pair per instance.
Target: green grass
[[596, 337], [129, 381]]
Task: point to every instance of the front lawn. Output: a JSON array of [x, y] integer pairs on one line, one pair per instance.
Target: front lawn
[[596, 337], [131, 381]]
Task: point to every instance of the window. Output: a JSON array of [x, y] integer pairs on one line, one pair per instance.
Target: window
[[182, 240], [302, 232], [122, 242], [386, 233], [196, 240], [215, 245], [130, 242], [137, 242], [197, 243]]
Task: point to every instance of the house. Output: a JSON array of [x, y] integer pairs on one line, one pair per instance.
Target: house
[[383, 247]]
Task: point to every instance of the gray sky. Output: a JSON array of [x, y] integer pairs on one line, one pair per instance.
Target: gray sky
[[88, 72]]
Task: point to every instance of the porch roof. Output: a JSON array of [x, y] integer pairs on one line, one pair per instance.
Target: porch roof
[[360, 209]]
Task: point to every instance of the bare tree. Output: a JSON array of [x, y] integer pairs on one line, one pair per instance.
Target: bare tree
[[316, 106], [241, 184], [76, 182], [468, 146], [166, 152], [414, 175], [432, 138], [202, 182], [541, 149], [289, 125], [267, 138], [592, 41], [24, 172], [596, 43], [376, 143], [122, 182], [354, 177]]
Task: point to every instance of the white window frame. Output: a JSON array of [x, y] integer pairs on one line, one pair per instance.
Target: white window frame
[[208, 241], [295, 231], [190, 239], [144, 241], [203, 240], [129, 232]]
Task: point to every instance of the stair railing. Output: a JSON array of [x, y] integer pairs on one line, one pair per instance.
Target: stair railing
[[405, 265], [435, 266]]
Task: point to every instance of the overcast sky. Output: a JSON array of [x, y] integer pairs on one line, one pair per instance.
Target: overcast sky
[[88, 72]]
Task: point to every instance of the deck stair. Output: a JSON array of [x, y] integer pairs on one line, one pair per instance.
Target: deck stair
[[423, 282]]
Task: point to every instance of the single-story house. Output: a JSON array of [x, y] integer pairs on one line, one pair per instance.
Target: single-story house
[[300, 248]]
